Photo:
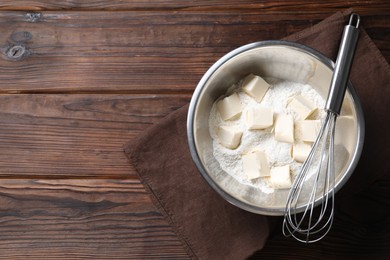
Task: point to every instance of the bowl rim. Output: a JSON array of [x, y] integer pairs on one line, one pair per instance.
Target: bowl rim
[[195, 98]]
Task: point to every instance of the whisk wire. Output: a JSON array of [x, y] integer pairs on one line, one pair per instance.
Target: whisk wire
[[303, 226]]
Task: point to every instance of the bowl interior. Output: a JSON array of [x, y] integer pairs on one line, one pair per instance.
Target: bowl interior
[[278, 60]]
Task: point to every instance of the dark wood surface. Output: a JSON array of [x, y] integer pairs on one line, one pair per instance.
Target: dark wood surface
[[78, 79]]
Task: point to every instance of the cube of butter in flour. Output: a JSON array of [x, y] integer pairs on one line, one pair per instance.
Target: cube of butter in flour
[[343, 134], [284, 128], [310, 130], [255, 87], [280, 177], [229, 136], [301, 151], [255, 164], [258, 117], [302, 106], [229, 107]]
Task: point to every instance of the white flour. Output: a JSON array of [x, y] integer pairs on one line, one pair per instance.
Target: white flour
[[279, 153]]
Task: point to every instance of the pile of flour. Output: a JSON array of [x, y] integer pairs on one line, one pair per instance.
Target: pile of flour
[[279, 153]]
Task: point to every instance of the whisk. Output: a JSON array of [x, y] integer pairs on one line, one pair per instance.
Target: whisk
[[317, 176]]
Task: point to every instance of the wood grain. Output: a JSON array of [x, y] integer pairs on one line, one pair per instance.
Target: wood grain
[[135, 52], [75, 136], [93, 219], [281, 6]]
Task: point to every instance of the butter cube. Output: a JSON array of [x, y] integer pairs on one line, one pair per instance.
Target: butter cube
[[310, 130], [302, 106], [255, 87], [280, 177], [259, 117], [229, 107], [284, 128], [301, 151], [343, 133], [255, 164], [229, 136]]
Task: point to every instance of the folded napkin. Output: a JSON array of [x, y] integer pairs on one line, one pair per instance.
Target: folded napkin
[[207, 225]]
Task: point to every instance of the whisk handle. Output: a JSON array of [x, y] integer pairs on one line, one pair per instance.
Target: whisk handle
[[343, 65]]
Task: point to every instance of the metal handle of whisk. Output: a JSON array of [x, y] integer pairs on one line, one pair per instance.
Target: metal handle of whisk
[[342, 68]]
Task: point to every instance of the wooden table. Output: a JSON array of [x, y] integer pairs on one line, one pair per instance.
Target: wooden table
[[79, 79]]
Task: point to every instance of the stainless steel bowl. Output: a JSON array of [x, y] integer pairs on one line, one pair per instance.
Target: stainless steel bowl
[[277, 59]]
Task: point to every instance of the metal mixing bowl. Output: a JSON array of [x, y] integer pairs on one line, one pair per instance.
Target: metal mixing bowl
[[277, 59]]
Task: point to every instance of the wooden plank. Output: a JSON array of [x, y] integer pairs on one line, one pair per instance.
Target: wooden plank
[[114, 219], [270, 6], [120, 51], [96, 219], [75, 136], [135, 52]]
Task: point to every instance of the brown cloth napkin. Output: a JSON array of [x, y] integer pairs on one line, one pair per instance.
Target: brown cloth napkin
[[208, 226]]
